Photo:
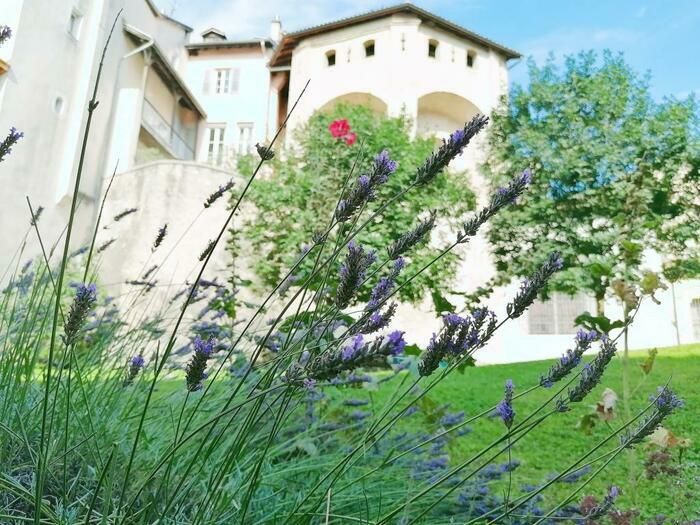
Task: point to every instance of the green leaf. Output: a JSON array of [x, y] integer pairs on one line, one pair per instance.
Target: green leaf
[[442, 305]]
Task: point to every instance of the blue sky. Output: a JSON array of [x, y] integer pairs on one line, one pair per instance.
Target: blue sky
[[662, 37]]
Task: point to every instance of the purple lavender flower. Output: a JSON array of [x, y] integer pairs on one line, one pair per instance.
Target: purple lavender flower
[[124, 213], [162, 232], [37, 215], [329, 365], [136, 364], [504, 409], [412, 238], [352, 273], [11, 139], [396, 343], [384, 166], [591, 374], [531, 286], [207, 251], [85, 298], [450, 420], [570, 359], [350, 351], [500, 199], [364, 189], [601, 510], [665, 402], [355, 402], [215, 196], [195, 372], [5, 34], [458, 338], [450, 149], [264, 151]]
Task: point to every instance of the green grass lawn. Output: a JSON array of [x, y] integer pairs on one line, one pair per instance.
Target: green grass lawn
[[558, 441]]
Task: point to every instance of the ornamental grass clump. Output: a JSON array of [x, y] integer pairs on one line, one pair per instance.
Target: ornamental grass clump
[[308, 403]]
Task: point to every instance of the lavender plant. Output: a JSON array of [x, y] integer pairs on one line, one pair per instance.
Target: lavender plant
[[285, 426]]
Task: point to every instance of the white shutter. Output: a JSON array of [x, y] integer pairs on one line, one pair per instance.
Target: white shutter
[[207, 82], [235, 76]]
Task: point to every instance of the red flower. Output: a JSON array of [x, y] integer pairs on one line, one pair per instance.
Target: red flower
[[339, 128], [350, 138]]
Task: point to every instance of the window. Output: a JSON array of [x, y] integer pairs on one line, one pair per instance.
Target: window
[[557, 315], [225, 81], [695, 317], [471, 58], [74, 24], [245, 137], [330, 57], [215, 145], [432, 48], [369, 48]]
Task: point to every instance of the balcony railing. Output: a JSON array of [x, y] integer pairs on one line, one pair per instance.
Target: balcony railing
[[162, 131]]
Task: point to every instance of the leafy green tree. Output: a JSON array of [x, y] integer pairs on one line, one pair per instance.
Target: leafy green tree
[[299, 196], [615, 175]]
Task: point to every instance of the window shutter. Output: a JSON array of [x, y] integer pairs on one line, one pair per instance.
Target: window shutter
[[207, 82], [235, 75]]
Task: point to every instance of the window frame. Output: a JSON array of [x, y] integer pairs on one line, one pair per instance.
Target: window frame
[[370, 48], [216, 144]]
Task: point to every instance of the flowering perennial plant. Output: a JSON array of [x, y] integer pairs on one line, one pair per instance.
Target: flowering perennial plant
[[273, 414]]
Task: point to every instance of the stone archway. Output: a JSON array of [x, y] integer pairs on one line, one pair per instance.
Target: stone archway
[[440, 113], [376, 104]]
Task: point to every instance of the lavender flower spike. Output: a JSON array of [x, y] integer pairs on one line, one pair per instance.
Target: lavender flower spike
[[329, 365], [450, 149], [590, 375], [5, 34], [215, 196], [352, 273], [162, 232], [570, 359], [136, 364], [11, 139], [530, 287], [195, 373], [364, 189], [599, 511], [85, 298], [504, 409], [410, 239], [499, 200], [665, 402]]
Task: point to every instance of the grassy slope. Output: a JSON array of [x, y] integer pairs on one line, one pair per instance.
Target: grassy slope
[[557, 441]]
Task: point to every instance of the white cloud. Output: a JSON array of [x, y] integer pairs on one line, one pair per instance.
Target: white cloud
[[241, 19]]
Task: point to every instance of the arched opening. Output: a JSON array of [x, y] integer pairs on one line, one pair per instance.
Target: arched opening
[[440, 113], [368, 100]]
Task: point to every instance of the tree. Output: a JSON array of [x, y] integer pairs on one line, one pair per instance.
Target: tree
[[615, 175], [300, 195]]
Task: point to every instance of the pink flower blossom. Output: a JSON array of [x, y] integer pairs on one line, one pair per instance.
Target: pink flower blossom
[[339, 128]]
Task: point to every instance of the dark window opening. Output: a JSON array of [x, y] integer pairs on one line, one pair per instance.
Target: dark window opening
[[432, 48], [369, 48], [330, 56], [471, 58]]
